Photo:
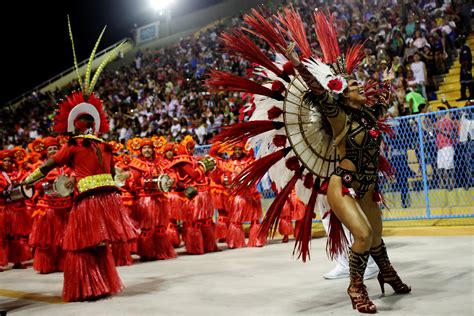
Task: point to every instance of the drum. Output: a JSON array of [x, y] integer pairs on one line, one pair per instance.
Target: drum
[[19, 192], [60, 186], [208, 163], [119, 178], [57, 187], [162, 183]]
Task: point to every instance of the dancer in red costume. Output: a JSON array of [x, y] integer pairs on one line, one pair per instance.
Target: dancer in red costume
[[50, 215], [245, 206], [15, 221], [122, 251], [176, 203], [190, 172], [293, 210], [319, 131], [151, 214], [219, 191], [98, 217]]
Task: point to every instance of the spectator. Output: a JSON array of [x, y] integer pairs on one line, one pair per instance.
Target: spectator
[[445, 140], [415, 100], [420, 73], [465, 77], [464, 153]]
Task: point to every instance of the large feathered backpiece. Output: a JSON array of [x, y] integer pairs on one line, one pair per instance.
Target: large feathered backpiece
[[294, 144]]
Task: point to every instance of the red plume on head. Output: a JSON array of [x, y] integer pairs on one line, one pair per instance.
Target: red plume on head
[[354, 56], [62, 118], [327, 37]]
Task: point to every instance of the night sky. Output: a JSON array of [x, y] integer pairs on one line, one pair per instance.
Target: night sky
[[39, 29]]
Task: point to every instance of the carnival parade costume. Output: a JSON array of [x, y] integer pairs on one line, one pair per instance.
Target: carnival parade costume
[[197, 210], [15, 218], [50, 215], [150, 211], [309, 138], [98, 217], [245, 207]]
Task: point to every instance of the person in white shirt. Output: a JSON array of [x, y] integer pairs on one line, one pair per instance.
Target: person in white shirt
[[419, 72], [465, 167]]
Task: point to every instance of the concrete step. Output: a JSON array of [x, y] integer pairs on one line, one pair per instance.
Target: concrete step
[[448, 78], [452, 95], [449, 86], [436, 104]]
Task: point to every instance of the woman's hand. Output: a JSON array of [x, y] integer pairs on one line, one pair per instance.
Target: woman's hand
[[388, 74], [290, 53]]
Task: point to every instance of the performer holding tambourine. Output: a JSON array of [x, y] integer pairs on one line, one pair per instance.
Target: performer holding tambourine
[[15, 223], [53, 201]]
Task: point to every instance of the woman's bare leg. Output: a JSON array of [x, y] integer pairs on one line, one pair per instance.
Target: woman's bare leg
[[351, 215], [374, 215]]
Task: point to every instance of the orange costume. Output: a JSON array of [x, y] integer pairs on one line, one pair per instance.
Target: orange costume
[[191, 178], [150, 213]]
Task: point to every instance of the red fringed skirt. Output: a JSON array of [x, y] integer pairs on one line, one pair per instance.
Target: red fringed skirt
[[220, 198], [97, 218], [201, 207], [18, 219], [151, 211], [246, 208], [177, 205], [48, 227]]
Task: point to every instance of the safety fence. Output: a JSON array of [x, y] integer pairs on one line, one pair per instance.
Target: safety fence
[[433, 154]]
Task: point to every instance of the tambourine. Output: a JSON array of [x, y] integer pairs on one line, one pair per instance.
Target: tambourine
[[208, 163], [119, 178], [58, 187], [18, 193], [162, 183]]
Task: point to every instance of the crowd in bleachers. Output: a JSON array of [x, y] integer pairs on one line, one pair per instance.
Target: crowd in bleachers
[[162, 92]]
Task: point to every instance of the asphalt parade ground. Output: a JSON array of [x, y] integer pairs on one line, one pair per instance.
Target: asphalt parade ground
[[263, 281]]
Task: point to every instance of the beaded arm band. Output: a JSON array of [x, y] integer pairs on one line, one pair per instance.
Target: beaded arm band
[[34, 177]]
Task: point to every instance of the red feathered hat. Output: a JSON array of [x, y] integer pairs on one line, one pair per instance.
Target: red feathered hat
[[189, 144], [75, 106], [170, 147], [146, 142], [6, 154], [37, 146], [51, 141]]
